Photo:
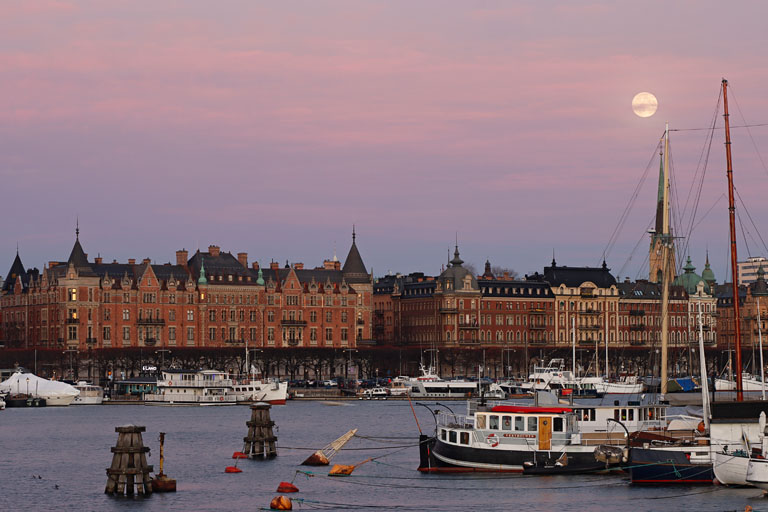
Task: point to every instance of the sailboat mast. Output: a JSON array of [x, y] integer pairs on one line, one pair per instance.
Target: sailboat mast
[[666, 240], [734, 260]]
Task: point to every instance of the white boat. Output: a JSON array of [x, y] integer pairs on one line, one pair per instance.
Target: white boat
[[2, 403], [89, 394], [377, 393], [400, 386], [430, 385], [54, 393], [748, 382], [757, 473], [628, 384], [273, 391], [193, 387]]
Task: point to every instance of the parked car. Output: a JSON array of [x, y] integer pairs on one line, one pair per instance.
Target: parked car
[[333, 383]]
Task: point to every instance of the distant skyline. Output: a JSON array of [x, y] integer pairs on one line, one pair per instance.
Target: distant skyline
[[272, 127]]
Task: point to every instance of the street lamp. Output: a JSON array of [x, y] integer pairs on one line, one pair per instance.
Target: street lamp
[[349, 364], [508, 367], [71, 370]]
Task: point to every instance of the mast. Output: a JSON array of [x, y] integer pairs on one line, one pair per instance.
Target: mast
[[734, 261], [573, 343], [703, 369], [666, 241], [760, 338]]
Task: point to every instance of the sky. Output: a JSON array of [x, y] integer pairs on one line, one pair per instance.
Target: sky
[[272, 127]]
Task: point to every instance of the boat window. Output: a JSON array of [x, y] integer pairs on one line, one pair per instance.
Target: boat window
[[519, 423], [616, 414], [623, 415], [481, 421], [443, 434], [493, 422], [592, 414], [532, 423], [631, 414], [558, 425], [452, 436], [464, 438], [506, 423]]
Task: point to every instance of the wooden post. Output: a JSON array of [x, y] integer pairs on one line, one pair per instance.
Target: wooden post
[[260, 441], [129, 467]]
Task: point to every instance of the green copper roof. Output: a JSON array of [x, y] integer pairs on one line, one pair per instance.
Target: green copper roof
[[690, 279], [260, 279], [202, 279]]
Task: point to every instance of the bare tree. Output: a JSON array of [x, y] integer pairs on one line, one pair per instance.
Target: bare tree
[[498, 271]]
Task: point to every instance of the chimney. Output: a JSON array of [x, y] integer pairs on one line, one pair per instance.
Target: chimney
[[131, 261], [214, 251], [336, 265], [52, 264], [98, 260], [255, 265], [242, 257], [298, 266], [328, 264], [274, 265], [506, 275], [145, 261], [182, 257]]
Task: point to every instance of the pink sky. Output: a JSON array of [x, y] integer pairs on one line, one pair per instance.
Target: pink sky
[[272, 127]]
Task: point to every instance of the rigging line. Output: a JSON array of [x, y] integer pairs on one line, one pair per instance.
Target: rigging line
[[730, 87], [634, 249], [704, 217], [625, 214], [754, 144], [743, 234], [749, 215]]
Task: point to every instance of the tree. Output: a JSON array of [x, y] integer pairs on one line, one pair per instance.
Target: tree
[[498, 271]]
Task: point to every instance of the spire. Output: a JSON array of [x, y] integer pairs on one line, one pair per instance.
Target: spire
[[77, 229], [554, 263], [260, 279], [78, 257], [202, 279], [17, 270], [760, 288], [456, 261], [354, 269]]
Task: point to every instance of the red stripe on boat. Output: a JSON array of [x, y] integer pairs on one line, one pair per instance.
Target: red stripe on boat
[[531, 410]]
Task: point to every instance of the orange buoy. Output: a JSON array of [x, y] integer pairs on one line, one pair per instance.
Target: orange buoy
[[232, 469], [239, 455], [281, 503], [341, 470], [287, 487]]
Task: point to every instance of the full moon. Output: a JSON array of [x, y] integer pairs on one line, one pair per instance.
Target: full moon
[[644, 104]]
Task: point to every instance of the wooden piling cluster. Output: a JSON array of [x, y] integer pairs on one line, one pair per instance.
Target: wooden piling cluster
[[260, 441], [129, 463]]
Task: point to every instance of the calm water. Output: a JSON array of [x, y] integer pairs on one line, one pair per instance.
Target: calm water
[[70, 447]]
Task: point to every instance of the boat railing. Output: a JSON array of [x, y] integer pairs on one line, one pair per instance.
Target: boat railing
[[450, 420]]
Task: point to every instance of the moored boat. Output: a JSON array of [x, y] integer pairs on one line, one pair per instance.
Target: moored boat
[[272, 392], [29, 390], [89, 394], [193, 387]]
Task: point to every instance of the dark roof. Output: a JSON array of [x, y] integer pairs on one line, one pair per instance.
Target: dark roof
[[222, 264], [515, 288], [641, 289], [574, 277], [78, 257], [354, 269], [17, 270]]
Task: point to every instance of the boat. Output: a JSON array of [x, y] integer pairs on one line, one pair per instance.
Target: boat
[[29, 390], [272, 392], [627, 385], [748, 383], [649, 466], [89, 394], [400, 386], [509, 438], [430, 386], [378, 393], [193, 387], [2, 403]]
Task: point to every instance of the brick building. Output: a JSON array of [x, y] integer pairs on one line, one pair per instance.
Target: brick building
[[212, 299]]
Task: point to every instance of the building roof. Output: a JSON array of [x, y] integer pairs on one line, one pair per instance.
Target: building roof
[[17, 270], [573, 277], [690, 279], [354, 269], [454, 277]]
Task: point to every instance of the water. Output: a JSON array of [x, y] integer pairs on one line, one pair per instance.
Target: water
[[69, 447]]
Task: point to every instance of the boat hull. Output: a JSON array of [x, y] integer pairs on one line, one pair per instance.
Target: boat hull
[[757, 473], [731, 469], [665, 467], [440, 457]]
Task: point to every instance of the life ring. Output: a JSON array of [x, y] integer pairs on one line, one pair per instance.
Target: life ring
[[492, 440], [170, 383], [221, 399]]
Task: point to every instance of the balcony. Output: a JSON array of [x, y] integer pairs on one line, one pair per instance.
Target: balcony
[[639, 327], [537, 342], [360, 321], [636, 312], [294, 323], [538, 327], [90, 341], [150, 321], [538, 311], [150, 342], [590, 311], [292, 342], [74, 321], [469, 342], [636, 343], [448, 310], [469, 325], [594, 327]]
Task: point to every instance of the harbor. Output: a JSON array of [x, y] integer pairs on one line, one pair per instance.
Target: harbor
[[65, 471]]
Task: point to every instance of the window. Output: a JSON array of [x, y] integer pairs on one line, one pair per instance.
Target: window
[[253, 334], [212, 316], [126, 314], [313, 316], [190, 334], [506, 423], [480, 421], [212, 333], [190, 315], [464, 437], [172, 298], [329, 316], [344, 335], [172, 315], [252, 316], [72, 294], [558, 425], [313, 334], [532, 424], [172, 334], [126, 333], [344, 316], [519, 423], [107, 333], [493, 422], [328, 301], [270, 316], [72, 332], [328, 334], [292, 300], [271, 300], [271, 334]]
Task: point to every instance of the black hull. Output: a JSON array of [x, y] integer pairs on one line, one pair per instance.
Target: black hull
[[25, 402], [666, 467], [439, 457]]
